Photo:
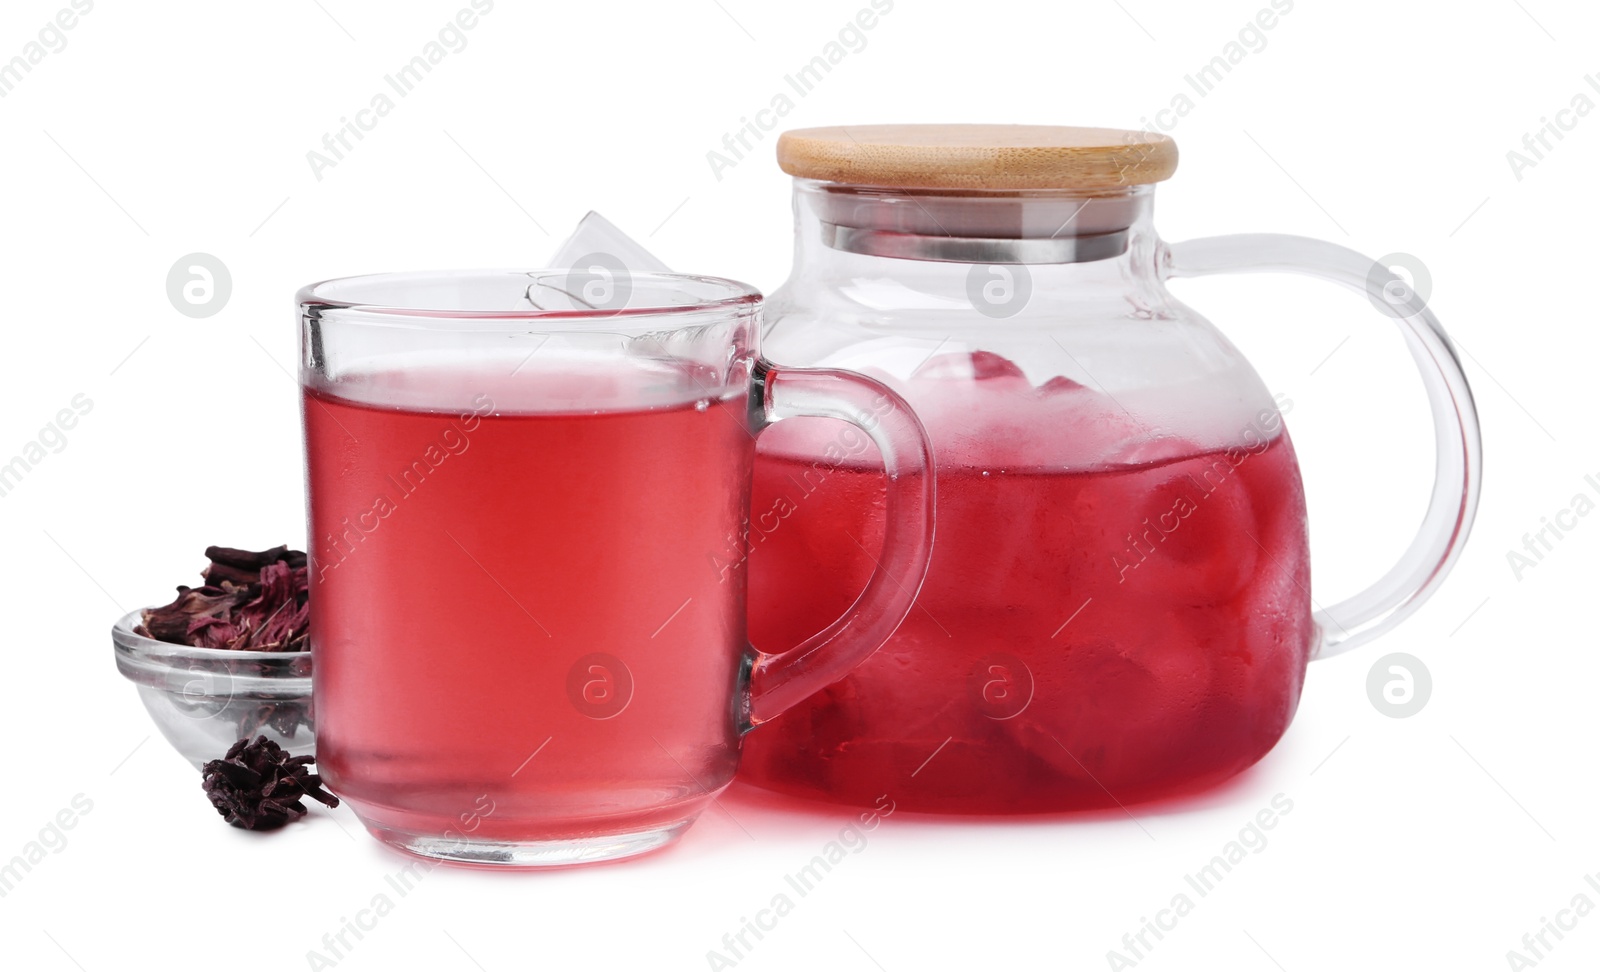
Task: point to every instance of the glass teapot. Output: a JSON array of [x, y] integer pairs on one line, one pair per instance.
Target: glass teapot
[[1118, 605]]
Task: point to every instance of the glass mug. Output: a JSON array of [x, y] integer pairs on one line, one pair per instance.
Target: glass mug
[[1118, 606], [528, 498]]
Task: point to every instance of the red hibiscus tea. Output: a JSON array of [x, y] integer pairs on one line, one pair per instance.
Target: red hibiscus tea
[[1107, 617], [518, 626], [528, 492]]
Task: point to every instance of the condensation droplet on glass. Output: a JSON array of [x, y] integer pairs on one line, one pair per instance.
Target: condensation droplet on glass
[[702, 404]]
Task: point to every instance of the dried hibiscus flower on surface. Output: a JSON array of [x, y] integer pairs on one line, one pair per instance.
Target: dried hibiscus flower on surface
[[259, 786], [252, 601]]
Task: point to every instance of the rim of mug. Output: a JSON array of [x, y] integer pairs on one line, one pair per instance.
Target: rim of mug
[[725, 295]]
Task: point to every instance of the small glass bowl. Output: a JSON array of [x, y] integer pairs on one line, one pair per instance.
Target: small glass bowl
[[205, 699]]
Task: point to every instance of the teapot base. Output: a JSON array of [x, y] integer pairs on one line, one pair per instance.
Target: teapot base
[[980, 800]]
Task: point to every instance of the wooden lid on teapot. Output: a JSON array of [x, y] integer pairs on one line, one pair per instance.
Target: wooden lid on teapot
[[978, 156]]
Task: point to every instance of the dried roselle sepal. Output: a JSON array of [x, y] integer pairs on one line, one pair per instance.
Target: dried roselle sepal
[[259, 786], [244, 566], [213, 633], [253, 720], [176, 622], [277, 618], [218, 574], [252, 600], [284, 718], [288, 717]]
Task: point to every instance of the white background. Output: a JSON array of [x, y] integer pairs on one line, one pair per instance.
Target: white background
[[163, 129]]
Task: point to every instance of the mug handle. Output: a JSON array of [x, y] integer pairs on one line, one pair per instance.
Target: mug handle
[[779, 681], [1458, 470]]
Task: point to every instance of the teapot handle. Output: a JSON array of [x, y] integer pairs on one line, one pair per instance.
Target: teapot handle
[[1458, 470]]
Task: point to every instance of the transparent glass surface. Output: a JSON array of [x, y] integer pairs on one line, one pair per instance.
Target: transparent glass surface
[[529, 522], [1118, 606], [205, 699]]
